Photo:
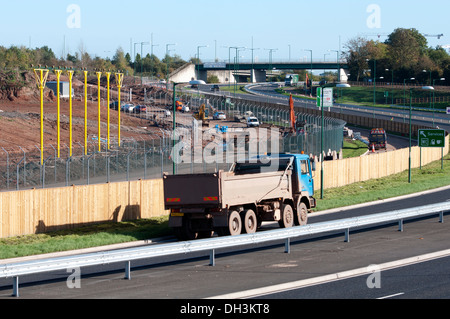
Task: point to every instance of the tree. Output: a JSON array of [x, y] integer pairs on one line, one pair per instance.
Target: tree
[[357, 55], [120, 62], [406, 46]]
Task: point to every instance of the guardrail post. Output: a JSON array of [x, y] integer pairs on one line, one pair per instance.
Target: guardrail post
[[212, 259], [400, 225], [128, 270], [441, 217], [15, 286], [347, 235], [287, 246]]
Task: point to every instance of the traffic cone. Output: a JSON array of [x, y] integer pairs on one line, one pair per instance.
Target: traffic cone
[[373, 148]]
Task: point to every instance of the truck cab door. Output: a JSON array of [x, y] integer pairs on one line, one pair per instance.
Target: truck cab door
[[305, 177]]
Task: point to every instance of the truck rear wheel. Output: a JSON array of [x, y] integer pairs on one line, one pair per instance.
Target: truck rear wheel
[[287, 217], [185, 232], [249, 221], [234, 225], [301, 218]]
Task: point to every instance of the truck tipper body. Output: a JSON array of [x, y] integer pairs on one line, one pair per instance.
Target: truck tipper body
[[237, 201]]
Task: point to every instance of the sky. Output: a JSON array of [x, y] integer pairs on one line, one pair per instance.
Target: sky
[[286, 28]]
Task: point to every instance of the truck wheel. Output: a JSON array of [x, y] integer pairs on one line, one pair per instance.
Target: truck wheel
[[287, 217], [249, 221], [185, 232], [301, 218], [234, 225]]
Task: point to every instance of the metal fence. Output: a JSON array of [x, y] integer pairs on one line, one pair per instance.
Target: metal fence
[[151, 155], [212, 245]]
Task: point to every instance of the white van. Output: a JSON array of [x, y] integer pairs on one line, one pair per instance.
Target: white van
[[252, 121]]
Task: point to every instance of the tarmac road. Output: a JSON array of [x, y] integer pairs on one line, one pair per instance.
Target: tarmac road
[[261, 267]]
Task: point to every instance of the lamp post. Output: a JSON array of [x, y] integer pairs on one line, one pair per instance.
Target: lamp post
[[174, 125], [410, 135], [404, 87], [374, 79], [167, 63], [270, 57], [198, 62], [142, 57], [410, 130], [338, 60], [310, 92], [427, 88], [434, 98], [392, 85]]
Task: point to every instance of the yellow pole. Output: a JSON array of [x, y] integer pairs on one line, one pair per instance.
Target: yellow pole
[[58, 77], [70, 111], [41, 79], [108, 76], [99, 75], [85, 113], [119, 80]]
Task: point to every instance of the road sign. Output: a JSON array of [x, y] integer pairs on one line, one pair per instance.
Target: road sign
[[325, 97], [319, 97], [448, 110], [431, 138]]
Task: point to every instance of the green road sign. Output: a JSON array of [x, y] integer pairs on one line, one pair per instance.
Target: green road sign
[[431, 138], [319, 97]]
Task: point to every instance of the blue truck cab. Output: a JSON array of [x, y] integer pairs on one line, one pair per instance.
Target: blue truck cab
[[303, 171]]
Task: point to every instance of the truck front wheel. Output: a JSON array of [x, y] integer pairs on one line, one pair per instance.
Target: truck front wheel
[[301, 218]]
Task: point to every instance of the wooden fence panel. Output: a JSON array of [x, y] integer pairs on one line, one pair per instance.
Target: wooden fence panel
[[39, 210]]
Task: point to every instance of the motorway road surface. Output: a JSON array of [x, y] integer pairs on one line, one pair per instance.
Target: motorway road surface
[[262, 267], [425, 280], [266, 93]]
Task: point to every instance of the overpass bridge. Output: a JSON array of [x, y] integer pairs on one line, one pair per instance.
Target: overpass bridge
[[257, 71]]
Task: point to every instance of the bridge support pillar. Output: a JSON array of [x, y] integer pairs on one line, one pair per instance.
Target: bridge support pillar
[[201, 75], [344, 74], [258, 76]]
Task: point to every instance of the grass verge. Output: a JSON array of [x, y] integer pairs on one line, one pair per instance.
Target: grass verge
[[429, 177], [84, 237], [353, 148]]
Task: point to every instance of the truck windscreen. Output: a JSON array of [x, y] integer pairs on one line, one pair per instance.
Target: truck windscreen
[[261, 167]]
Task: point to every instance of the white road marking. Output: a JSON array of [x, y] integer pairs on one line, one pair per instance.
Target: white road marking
[[390, 296], [252, 293]]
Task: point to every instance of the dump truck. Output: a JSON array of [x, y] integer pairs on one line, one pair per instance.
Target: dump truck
[[291, 80], [237, 201]]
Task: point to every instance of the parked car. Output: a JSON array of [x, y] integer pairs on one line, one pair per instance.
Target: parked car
[[140, 109], [127, 107], [219, 116], [114, 105], [252, 121]]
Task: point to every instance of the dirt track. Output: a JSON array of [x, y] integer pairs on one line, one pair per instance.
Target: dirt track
[[20, 120]]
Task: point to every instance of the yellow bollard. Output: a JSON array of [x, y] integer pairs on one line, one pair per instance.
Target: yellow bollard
[[85, 113], [108, 76], [70, 72], [58, 80], [119, 81], [41, 80], [99, 75]]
